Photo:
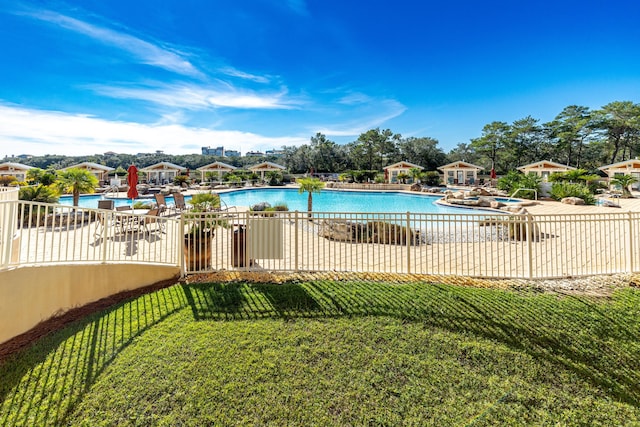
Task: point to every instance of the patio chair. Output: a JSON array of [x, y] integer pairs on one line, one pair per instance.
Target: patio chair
[[161, 203], [103, 217], [179, 203], [152, 217], [106, 204]]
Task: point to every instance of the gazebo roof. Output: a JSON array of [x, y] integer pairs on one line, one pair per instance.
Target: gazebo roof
[[546, 164], [403, 165], [14, 166], [217, 166], [90, 166], [627, 164], [163, 166], [460, 165], [266, 166]]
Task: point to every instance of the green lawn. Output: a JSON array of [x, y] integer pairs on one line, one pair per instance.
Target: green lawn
[[335, 353]]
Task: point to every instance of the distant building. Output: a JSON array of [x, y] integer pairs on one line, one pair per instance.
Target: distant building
[[274, 153], [208, 151], [231, 153], [254, 154]]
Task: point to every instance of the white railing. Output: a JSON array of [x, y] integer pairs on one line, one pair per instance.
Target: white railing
[[466, 244], [40, 233], [478, 245]]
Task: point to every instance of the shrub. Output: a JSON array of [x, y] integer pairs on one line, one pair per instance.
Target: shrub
[[514, 181], [431, 178], [562, 189]]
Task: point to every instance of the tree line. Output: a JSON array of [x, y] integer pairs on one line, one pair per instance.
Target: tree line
[[577, 136]]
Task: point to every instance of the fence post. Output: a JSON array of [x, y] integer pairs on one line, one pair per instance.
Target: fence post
[[179, 243], [630, 250], [107, 218], [529, 237], [295, 242], [408, 241]]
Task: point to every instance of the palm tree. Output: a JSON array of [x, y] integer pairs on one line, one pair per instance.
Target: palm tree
[[402, 177], [76, 181], [624, 181], [310, 185], [416, 174]]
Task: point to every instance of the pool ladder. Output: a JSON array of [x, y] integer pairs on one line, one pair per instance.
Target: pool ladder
[[525, 189]]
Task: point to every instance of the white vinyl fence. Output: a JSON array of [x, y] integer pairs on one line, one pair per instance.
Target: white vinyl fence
[[466, 244]]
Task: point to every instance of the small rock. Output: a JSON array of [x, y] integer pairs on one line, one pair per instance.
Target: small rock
[[572, 201]]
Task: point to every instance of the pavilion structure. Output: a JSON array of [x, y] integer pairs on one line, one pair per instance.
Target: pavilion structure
[[460, 173], [17, 170], [99, 171], [627, 167], [263, 167], [544, 169], [391, 172], [163, 172], [217, 167]]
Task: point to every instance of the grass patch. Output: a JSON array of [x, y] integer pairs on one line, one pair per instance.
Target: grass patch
[[335, 353]]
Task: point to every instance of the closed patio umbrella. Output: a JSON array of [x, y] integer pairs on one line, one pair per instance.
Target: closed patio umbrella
[[132, 181], [493, 173]]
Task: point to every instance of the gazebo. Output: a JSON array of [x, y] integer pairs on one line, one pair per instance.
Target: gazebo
[[163, 172], [100, 171], [265, 167], [391, 172], [15, 169], [460, 173], [628, 167], [219, 167], [544, 168]]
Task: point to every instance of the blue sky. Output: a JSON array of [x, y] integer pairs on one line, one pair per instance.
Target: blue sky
[[86, 77]]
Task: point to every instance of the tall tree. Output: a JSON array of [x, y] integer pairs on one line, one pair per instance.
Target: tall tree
[[463, 152], [569, 130], [524, 143], [326, 155], [494, 138], [621, 123], [377, 147], [422, 151]]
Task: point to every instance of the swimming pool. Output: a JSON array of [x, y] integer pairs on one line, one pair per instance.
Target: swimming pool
[[325, 201]]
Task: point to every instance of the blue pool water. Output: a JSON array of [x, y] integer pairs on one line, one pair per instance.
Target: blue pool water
[[325, 201]]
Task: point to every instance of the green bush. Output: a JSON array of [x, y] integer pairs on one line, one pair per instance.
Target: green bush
[[431, 178], [514, 181], [562, 189]]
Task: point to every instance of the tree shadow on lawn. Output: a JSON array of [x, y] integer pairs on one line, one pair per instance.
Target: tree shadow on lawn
[[596, 340], [586, 337], [70, 359]]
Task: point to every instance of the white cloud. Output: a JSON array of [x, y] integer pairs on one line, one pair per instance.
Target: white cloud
[[36, 132], [195, 97], [142, 51], [232, 72], [373, 115]]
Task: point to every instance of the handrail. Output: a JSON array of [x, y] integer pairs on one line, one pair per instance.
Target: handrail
[[525, 189], [111, 189]]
